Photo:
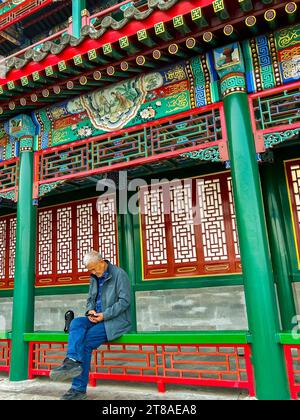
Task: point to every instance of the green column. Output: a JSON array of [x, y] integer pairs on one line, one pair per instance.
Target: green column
[[129, 258], [77, 7], [267, 355], [278, 241], [23, 304]]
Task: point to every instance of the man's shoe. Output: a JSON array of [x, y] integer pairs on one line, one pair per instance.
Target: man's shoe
[[68, 370], [72, 394]]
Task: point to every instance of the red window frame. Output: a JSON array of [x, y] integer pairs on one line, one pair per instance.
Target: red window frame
[[201, 267]]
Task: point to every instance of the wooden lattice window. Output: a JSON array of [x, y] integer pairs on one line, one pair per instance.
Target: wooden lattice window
[[67, 232], [7, 250], [293, 180], [64, 234], [189, 228]]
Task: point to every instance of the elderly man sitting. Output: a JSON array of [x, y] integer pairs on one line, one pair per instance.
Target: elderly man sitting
[[107, 318]]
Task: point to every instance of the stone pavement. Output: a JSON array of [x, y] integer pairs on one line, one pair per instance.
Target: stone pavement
[[44, 389]]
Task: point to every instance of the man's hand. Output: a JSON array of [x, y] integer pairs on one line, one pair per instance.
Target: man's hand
[[96, 318]]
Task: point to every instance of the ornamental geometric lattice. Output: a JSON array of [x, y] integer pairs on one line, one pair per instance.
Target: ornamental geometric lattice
[[189, 228], [7, 250], [3, 228], [45, 250], [154, 229], [293, 180], [12, 246], [212, 220], [107, 222], [65, 234], [64, 253]]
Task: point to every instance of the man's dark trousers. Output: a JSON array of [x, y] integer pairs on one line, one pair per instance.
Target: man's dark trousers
[[84, 337]]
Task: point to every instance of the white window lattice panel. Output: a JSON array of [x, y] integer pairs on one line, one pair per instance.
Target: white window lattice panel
[[84, 233], [3, 228], [183, 229], [295, 172], [155, 226], [64, 241], [212, 220], [106, 207], [12, 247], [45, 250], [233, 217]]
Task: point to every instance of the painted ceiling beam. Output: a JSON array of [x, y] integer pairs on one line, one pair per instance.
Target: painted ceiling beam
[[182, 8]]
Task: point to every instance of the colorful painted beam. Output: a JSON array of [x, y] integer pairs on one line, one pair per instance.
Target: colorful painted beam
[[158, 17]]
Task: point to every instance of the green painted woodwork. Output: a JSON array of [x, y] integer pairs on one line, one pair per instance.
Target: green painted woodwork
[[129, 260], [110, 51], [246, 5], [62, 290], [6, 293], [291, 9], [94, 56], [273, 139], [198, 18], [161, 31], [295, 278], [144, 37], [180, 24], [77, 7], [278, 241], [128, 46], [220, 10], [190, 337], [23, 305], [267, 355], [189, 283], [289, 338], [5, 335]]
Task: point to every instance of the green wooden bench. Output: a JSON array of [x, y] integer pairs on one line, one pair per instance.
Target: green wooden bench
[[5, 335], [289, 338], [118, 360], [205, 337]]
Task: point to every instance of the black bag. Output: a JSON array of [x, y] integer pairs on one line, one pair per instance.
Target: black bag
[[69, 316]]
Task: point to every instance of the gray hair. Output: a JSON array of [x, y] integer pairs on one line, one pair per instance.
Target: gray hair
[[92, 256]]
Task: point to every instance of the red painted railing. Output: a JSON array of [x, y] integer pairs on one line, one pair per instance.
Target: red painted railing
[[142, 144], [5, 346], [274, 111], [225, 365], [9, 175], [292, 357]]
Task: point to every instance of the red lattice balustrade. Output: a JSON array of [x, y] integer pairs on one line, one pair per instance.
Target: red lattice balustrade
[[5, 355], [292, 357], [293, 181], [203, 365]]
